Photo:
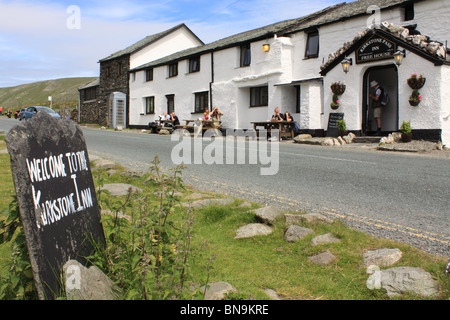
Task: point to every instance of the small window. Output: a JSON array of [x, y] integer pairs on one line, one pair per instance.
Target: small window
[[149, 75], [90, 94], [201, 102], [119, 68], [408, 12], [246, 55], [170, 103], [194, 64], [298, 104], [312, 45], [259, 96], [173, 69], [107, 71], [150, 105]]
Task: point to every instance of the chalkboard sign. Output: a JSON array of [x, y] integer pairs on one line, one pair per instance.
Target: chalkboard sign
[[56, 196], [374, 49], [332, 130]]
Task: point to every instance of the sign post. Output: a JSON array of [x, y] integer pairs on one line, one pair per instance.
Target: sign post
[[374, 49], [332, 129], [56, 197]]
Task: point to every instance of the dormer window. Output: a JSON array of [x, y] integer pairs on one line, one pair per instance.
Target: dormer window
[[246, 55], [312, 45], [408, 12], [194, 64]]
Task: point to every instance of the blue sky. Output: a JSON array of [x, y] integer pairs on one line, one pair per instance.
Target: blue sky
[[50, 39]]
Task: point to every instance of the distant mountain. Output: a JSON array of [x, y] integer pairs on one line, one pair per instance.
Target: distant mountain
[[63, 91]]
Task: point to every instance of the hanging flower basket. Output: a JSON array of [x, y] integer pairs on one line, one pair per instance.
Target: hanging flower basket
[[416, 82], [338, 88], [415, 98], [335, 104], [414, 102]]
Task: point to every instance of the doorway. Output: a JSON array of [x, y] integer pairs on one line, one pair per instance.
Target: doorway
[[387, 77]]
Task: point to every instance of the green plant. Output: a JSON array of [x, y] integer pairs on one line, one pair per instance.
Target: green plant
[[405, 128], [147, 253], [342, 127], [16, 283]]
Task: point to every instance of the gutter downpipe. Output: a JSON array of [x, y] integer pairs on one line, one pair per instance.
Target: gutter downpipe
[[211, 83]]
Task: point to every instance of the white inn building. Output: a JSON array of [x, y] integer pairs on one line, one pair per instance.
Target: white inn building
[[292, 65]]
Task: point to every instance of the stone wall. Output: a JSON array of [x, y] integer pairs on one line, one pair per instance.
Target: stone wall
[[113, 78]]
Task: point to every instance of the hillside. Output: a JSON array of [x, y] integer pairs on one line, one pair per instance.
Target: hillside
[[64, 92]]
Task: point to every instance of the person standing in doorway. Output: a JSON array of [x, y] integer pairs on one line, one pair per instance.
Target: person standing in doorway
[[375, 96]]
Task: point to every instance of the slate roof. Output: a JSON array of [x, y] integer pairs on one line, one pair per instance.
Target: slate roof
[[146, 42], [90, 84], [335, 13]]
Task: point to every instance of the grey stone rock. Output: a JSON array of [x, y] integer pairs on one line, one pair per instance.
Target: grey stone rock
[[245, 204], [382, 257], [308, 218], [301, 137], [268, 214], [119, 214], [207, 202], [324, 238], [218, 290], [398, 281], [294, 233], [87, 283], [105, 164], [164, 132], [328, 142], [323, 258], [196, 196], [120, 189], [272, 294], [252, 230]]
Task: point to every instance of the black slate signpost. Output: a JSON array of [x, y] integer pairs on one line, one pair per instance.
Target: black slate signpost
[[56, 196], [332, 129]]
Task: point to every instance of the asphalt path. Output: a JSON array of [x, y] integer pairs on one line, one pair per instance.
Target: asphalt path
[[399, 196]]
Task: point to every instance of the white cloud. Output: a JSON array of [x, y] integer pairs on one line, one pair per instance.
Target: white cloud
[[36, 44]]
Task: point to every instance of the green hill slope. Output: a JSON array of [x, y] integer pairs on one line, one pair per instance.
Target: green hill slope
[[64, 92]]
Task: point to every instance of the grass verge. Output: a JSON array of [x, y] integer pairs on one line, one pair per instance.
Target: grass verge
[[253, 264]]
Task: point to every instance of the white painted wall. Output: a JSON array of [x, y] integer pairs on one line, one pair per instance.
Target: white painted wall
[[285, 63], [178, 40], [184, 86]]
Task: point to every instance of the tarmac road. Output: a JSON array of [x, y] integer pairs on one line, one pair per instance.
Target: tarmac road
[[399, 196]]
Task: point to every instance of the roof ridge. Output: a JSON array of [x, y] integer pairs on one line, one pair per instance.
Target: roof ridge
[[146, 41]]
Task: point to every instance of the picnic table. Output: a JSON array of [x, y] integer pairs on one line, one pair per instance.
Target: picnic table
[[205, 125], [286, 128], [160, 124]]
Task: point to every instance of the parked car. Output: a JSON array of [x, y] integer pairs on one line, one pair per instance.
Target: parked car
[[22, 111], [31, 111]]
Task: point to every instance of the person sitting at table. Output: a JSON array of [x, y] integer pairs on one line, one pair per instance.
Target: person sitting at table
[[164, 116], [174, 118], [216, 114], [278, 116], [206, 115], [291, 119]]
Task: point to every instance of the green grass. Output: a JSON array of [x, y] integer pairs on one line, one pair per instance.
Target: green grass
[[64, 92], [267, 262]]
